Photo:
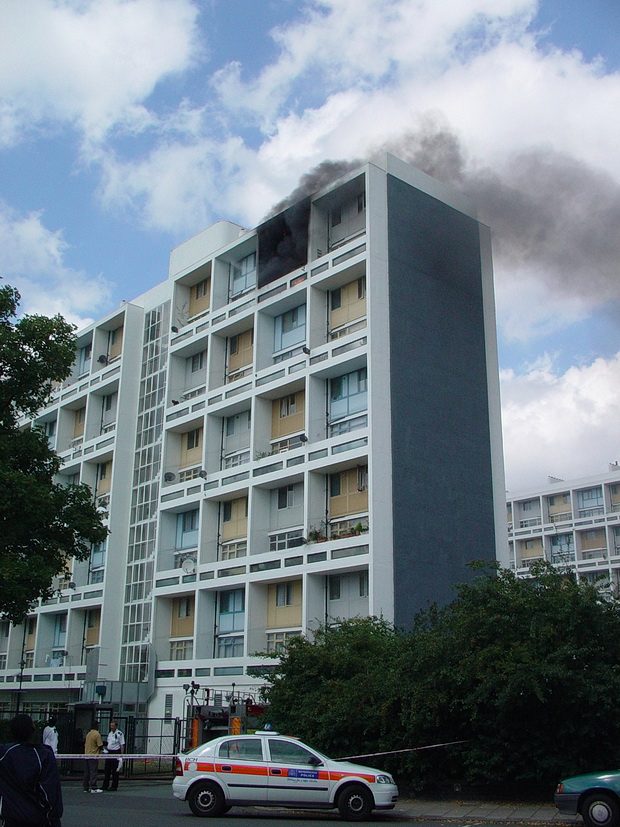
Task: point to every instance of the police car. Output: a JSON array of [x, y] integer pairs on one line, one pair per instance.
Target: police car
[[272, 770]]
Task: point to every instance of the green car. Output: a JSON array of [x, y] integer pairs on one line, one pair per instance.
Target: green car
[[595, 796]]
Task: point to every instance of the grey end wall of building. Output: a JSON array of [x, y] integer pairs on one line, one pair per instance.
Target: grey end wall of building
[[442, 486]]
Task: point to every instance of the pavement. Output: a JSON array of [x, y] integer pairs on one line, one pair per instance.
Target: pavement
[[481, 811]]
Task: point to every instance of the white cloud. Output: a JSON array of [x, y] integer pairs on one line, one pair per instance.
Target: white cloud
[[32, 258], [91, 63], [373, 69], [560, 424]]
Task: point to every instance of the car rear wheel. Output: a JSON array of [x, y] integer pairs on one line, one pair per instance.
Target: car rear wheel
[[206, 799], [355, 803], [601, 810]]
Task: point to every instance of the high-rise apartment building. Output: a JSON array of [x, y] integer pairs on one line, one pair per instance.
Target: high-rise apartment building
[[574, 524], [300, 425]]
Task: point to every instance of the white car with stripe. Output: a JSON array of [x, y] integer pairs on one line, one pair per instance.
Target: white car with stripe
[[273, 770]]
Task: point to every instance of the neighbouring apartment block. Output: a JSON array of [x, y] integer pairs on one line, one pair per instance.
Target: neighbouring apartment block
[[574, 524], [301, 425]]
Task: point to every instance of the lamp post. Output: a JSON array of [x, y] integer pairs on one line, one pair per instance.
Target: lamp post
[[22, 666]]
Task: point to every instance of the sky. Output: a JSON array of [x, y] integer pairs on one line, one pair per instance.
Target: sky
[[126, 126]]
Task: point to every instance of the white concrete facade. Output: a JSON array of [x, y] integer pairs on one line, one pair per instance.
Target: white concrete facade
[[238, 423]]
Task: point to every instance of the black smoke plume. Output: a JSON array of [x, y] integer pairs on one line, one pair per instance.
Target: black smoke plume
[[548, 212]]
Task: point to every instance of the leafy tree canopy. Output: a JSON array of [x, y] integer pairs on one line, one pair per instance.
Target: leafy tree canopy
[[525, 671], [42, 524]]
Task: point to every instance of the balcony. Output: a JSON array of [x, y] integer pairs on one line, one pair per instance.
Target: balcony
[[595, 511], [530, 522], [593, 553], [344, 330], [348, 527], [528, 562], [233, 375], [233, 549], [283, 540], [560, 517], [235, 460]]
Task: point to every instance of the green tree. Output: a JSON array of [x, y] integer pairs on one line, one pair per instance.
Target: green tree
[[331, 690], [527, 671], [524, 672], [42, 524]]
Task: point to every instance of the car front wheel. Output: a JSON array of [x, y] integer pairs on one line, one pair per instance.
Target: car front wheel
[[601, 810], [206, 799], [355, 803]]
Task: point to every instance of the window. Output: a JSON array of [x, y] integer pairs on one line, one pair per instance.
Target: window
[[562, 548], [97, 555], [232, 611], [528, 505], [227, 511], [361, 287], [184, 607], [193, 439], [278, 641], [363, 583], [200, 289], [187, 529], [290, 753], [84, 358], [233, 345], [286, 497], [50, 428], [334, 485], [108, 402], [336, 299], [334, 587], [230, 646], [198, 361], [290, 328], [336, 216], [181, 649], [238, 423], [362, 478], [243, 274], [284, 594], [92, 618], [348, 394], [288, 405], [60, 631], [286, 539], [243, 748], [361, 202], [103, 470]]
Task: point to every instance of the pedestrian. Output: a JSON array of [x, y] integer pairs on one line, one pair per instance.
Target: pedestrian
[[30, 792], [113, 763], [50, 735], [92, 748]]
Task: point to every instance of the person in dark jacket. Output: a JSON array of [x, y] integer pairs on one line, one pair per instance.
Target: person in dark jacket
[[30, 792]]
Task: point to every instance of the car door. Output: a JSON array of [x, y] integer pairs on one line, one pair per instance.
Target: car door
[[241, 767], [296, 774]]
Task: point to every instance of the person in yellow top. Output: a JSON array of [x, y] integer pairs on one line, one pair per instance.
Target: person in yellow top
[[92, 747]]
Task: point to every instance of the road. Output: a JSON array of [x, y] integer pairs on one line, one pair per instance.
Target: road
[[152, 803], [137, 804]]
